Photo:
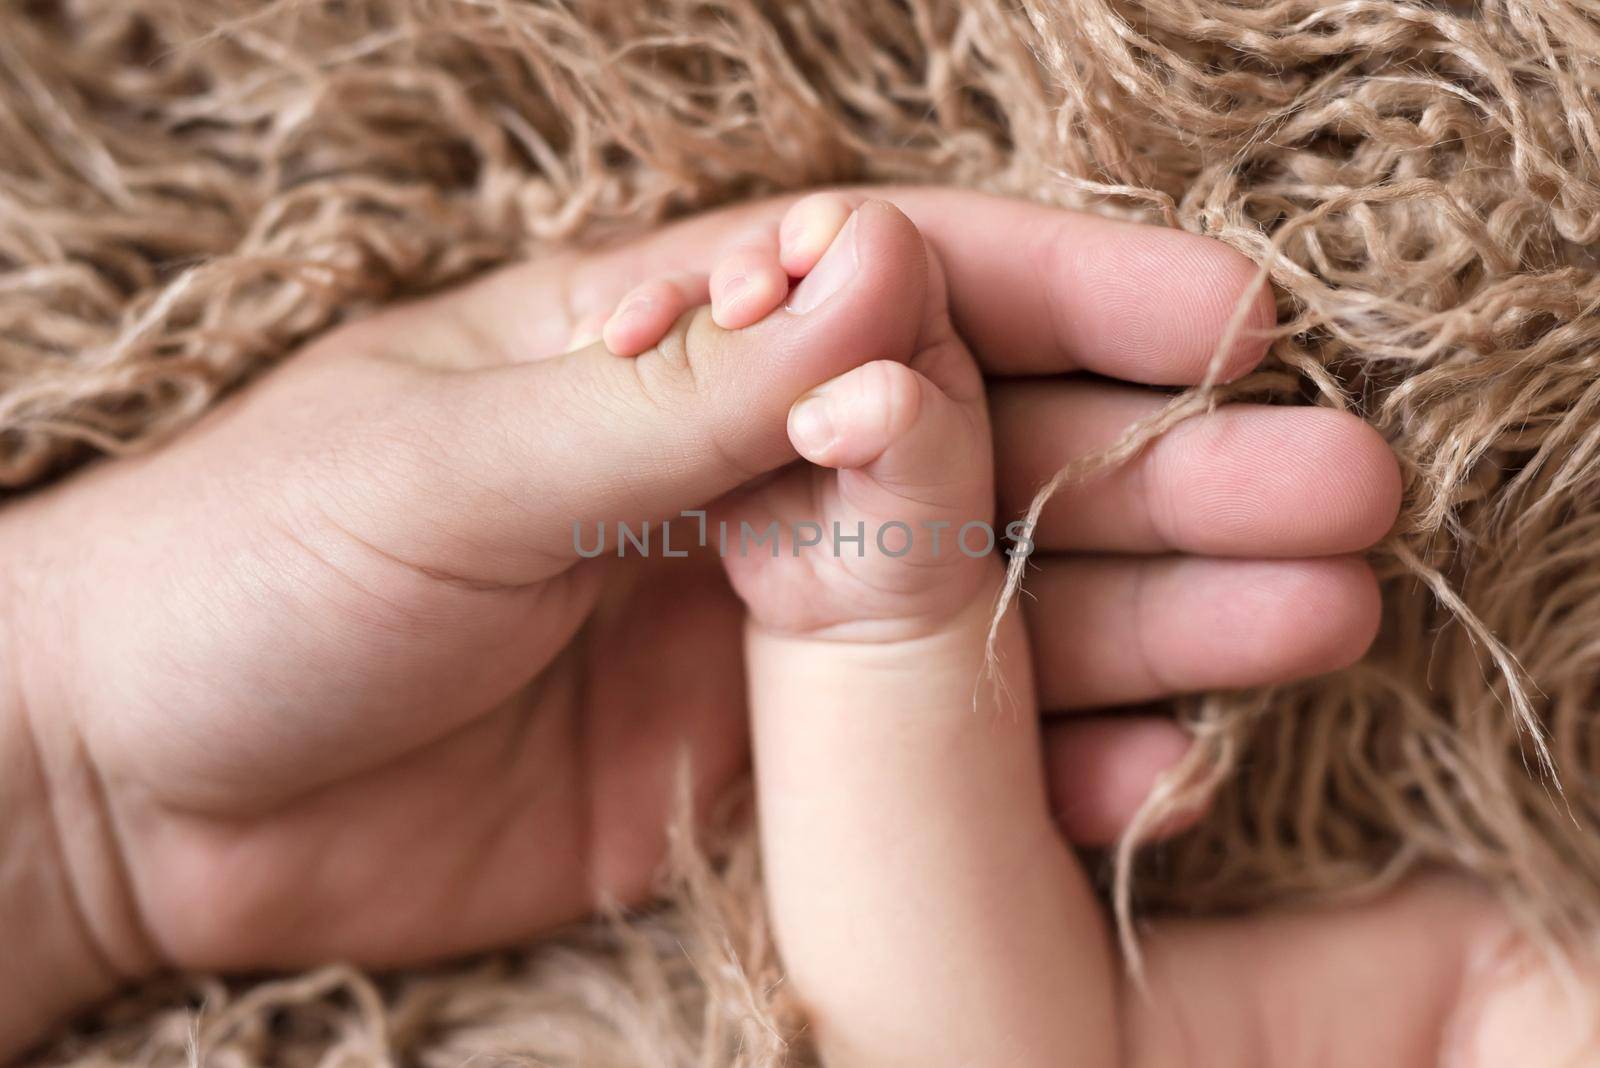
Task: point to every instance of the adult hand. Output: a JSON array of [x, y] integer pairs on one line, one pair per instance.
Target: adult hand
[[325, 678]]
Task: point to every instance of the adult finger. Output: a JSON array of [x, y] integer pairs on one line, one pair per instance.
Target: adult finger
[[1034, 289], [1119, 630], [1432, 973], [499, 472], [1245, 480], [1101, 769]]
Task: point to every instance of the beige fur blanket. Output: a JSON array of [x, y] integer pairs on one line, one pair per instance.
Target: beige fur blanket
[[188, 188]]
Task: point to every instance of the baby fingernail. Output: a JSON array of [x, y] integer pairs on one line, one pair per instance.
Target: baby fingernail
[[631, 310], [589, 330], [627, 310], [837, 266], [811, 426]]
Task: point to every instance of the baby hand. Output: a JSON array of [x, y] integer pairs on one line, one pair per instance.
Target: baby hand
[[926, 908], [887, 532]]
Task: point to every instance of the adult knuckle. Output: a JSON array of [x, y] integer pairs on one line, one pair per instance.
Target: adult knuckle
[[676, 381], [673, 371]]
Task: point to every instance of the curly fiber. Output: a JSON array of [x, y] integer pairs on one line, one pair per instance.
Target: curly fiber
[[189, 188]]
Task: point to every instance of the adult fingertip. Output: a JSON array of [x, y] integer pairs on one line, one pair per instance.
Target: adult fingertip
[[1167, 301], [1376, 480], [1354, 605], [1314, 616], [1252, 311], [1102, 770], [1231, 301], [1271, 482], [1345, 475]]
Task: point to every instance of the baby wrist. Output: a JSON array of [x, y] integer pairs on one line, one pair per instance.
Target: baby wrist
[[950, 661], [964, 627]]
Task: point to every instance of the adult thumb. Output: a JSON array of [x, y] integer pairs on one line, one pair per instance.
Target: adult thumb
[[541, 456]]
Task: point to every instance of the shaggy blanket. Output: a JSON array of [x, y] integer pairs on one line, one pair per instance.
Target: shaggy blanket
[[190, 188]]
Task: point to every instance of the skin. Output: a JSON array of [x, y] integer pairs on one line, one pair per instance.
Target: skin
[[900, 792], [324, 677], [928, 910]]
